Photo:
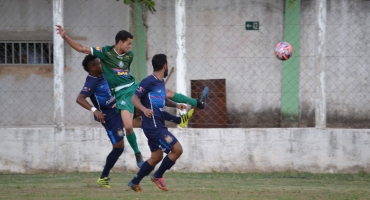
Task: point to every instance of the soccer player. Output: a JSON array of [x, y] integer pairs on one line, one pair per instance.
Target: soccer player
[[116, 61], [150, 98], [97, 89]]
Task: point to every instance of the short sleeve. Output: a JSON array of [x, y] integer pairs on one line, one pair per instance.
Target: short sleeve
[[89, 87], [98, 52], [143, 88]]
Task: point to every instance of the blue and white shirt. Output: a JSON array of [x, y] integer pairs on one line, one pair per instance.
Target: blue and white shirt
[[152, 94], [97, 89]]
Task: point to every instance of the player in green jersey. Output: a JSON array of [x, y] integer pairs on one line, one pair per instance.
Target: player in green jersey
[[116, 62]]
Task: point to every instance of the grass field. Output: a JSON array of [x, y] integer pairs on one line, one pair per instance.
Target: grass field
[[193, 186]]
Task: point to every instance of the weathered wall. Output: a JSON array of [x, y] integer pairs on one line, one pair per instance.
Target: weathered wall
[[218, 46], [205, 150], [27, 91]]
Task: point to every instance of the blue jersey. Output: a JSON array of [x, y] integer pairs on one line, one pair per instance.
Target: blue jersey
[[152, 94], [98, 90]]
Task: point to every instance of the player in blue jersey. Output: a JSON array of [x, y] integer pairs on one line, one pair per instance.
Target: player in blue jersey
[[116, 62], [97, 89], [150, 98]]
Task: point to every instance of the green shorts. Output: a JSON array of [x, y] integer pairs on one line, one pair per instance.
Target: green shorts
[[123, 97]]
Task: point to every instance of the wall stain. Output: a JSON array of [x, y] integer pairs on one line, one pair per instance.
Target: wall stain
[[22, 73]]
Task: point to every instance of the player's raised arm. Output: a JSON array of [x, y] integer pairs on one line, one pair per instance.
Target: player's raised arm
[[75, 45]]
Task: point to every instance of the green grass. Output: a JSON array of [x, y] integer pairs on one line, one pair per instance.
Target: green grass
[[193, 186]]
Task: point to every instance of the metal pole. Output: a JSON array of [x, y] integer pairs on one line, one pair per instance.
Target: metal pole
[[181, 48], [58, 65], [320, 110]]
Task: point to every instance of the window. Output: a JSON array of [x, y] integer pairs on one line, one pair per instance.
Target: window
[[26, 53]]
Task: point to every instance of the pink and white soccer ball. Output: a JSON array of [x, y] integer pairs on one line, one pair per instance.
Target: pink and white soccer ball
[[283, 51]]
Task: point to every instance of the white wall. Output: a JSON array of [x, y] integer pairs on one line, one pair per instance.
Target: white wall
[[224, 150]]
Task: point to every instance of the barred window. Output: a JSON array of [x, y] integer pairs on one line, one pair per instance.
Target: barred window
[[26, 53]]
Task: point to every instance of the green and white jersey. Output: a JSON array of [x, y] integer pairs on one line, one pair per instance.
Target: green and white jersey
[[116, 68]]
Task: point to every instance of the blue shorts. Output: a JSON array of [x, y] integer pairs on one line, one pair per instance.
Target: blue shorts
[[160, 139], [114, 126]]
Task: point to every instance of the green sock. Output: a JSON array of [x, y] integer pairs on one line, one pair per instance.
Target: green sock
[[131, 138], [180, 98]]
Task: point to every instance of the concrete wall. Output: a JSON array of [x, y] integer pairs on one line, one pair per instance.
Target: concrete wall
[[27, 91], [205, 150], [218, 47]]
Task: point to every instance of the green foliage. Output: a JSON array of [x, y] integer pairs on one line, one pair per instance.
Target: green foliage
[[291, 3], [150, 4]]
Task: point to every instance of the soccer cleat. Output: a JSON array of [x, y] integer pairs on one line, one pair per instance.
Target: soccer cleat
[[136, 188], [186, 117], [104, 182], [139, 159], [159, 182], [202, 98]]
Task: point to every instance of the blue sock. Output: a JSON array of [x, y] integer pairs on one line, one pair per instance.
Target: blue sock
[[171, 118], [111, 160], [167, 163], [144, 171]]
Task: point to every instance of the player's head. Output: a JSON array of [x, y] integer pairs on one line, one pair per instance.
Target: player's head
[[124, 41], [159, 61], [92, 64]]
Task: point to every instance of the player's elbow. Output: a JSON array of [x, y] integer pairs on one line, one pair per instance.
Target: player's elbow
[[79, 99]]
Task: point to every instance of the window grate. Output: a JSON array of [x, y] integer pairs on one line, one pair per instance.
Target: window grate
[[26, 53]]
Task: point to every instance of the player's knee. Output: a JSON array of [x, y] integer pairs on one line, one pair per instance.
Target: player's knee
[[129, 129], [177, 150], [120, 144], [169, 93], [156, 156], [154, 160]]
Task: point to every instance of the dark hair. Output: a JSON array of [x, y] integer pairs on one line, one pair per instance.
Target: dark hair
[[158, 61], [123, 35], [88, 61]]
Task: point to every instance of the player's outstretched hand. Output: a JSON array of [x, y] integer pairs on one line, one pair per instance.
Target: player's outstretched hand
[[99, 115], [61, 31], [181, 106], [148, 113]]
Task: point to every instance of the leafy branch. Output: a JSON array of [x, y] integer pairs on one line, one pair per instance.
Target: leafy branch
[[150, 4]]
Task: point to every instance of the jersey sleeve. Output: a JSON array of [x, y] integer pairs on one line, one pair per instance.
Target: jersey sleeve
[[143, 88], [98, 52], [89, 87]]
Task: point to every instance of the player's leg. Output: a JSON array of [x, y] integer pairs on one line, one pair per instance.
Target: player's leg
[[148, 166], [131, 136], [182, 121], [126, 108], [200, 102], [169, 160], [115, 133], [174, 150], [110, 162]]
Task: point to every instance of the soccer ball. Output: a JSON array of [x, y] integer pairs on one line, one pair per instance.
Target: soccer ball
[[283, 50]]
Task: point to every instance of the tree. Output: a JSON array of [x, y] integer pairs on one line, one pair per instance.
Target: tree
[[147, 3]]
